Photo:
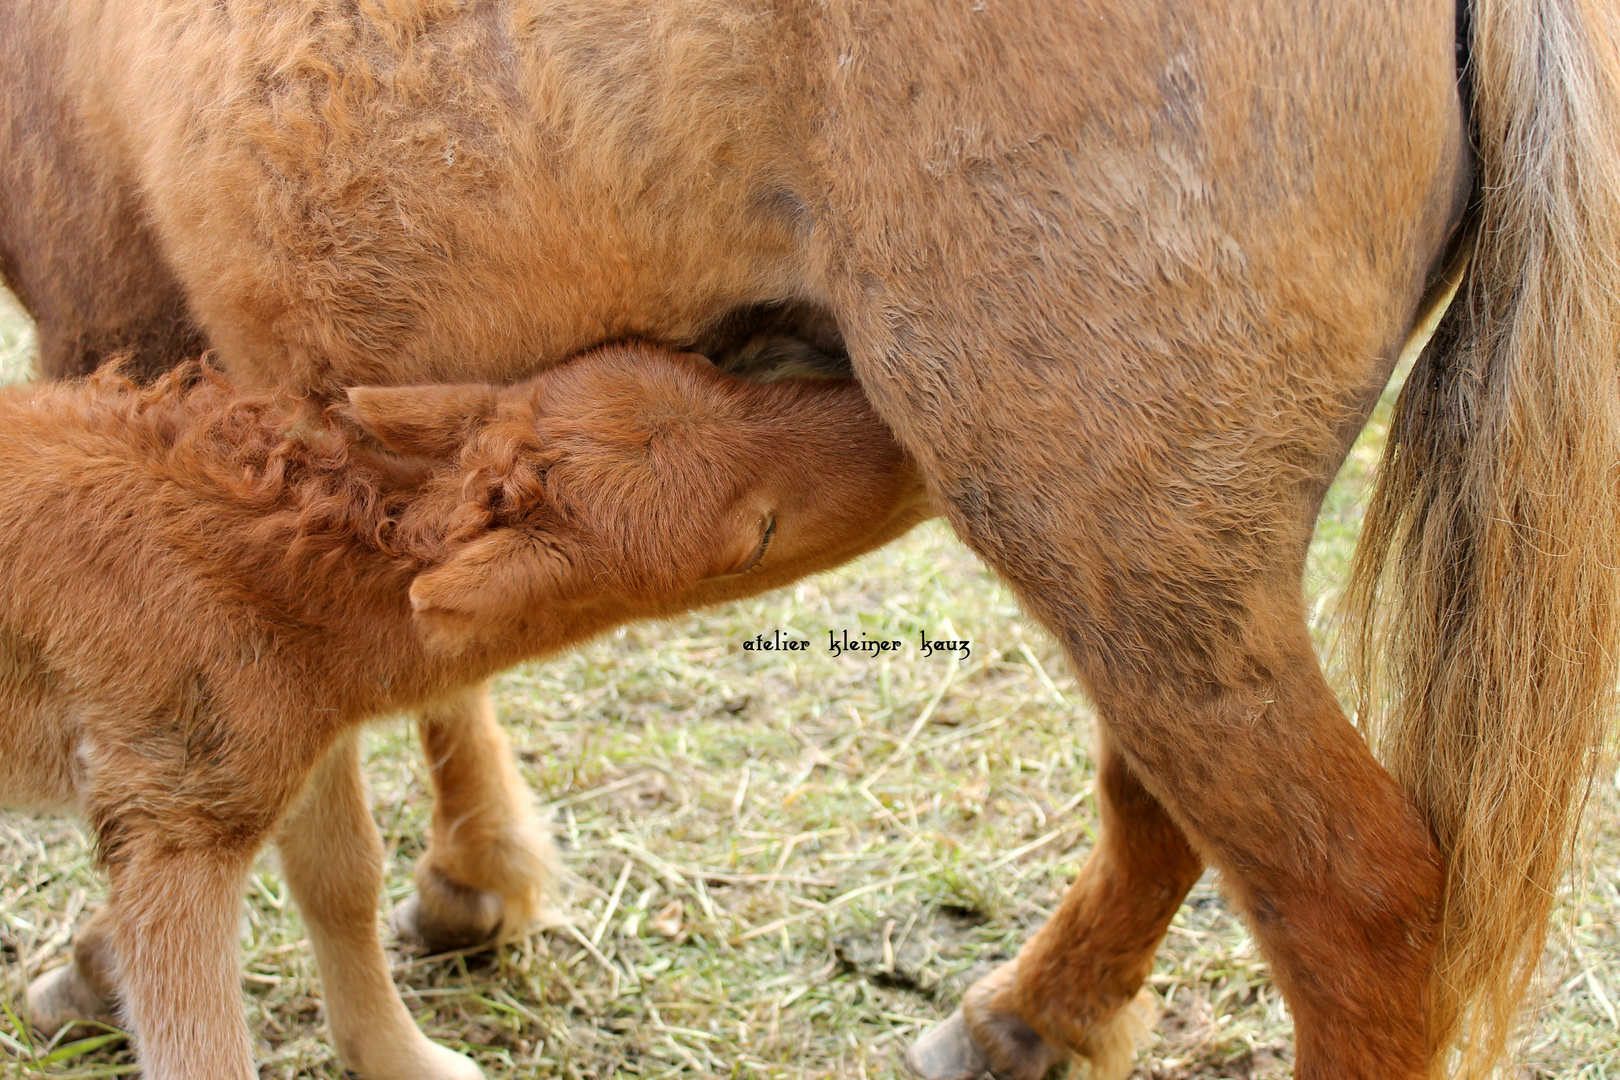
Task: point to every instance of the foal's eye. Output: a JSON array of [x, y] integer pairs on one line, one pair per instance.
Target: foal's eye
[[764, 542]]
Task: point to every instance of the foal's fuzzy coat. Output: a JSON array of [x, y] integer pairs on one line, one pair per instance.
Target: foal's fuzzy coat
[[201, 596]]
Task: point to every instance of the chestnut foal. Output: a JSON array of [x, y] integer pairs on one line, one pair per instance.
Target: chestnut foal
[[203, 595]]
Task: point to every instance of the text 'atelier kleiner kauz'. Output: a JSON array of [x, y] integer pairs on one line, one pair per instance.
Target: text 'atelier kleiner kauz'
[[839, 642]]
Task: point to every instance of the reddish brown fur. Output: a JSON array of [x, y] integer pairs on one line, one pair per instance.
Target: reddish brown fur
[[1125, 277], [202, 594]]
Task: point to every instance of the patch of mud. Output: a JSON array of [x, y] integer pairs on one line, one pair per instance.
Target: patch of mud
[[1189, 1047], [934, 952]]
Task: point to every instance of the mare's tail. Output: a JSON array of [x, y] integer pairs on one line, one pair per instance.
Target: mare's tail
[[1491, 553]]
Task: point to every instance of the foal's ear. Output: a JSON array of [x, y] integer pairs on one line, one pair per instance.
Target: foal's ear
[[429, 421], [492, 578]]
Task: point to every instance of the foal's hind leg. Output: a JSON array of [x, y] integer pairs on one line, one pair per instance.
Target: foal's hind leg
[[1076, 978], [489, 861], [83, 990]]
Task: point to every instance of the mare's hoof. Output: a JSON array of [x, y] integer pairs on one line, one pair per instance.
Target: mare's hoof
[[445, 916], [1011, 1048], [947, 1051], [61, 999]]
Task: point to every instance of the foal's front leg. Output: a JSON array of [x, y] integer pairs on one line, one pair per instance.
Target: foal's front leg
[[332, 857], [175, 914], [489, 861]]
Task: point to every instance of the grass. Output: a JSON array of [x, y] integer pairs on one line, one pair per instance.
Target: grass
[[788, 865]]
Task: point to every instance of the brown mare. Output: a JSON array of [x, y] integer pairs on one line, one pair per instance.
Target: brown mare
[[1125, 277]]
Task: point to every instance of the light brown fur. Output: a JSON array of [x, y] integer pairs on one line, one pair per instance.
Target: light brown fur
[[202, 595], [1124, 277]]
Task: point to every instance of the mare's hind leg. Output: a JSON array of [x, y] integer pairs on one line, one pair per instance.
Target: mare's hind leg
[[1336, 873], [1077, 976], [1166, 555], [1127, 309], [489, 861]]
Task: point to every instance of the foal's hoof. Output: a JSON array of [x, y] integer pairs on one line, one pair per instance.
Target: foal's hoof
[[947, 1052], [445, 916], [61, 999], [410, 1056], [449, 1065]]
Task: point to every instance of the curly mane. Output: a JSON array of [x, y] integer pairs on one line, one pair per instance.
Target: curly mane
[[299, 468]]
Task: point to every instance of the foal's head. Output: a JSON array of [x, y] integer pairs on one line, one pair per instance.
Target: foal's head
[[642, 479]]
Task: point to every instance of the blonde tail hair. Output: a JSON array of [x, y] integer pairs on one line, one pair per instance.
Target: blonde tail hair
[[1487, 581]]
